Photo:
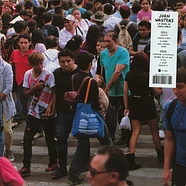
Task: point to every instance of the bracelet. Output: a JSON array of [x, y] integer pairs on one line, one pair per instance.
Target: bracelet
[[126, 107]]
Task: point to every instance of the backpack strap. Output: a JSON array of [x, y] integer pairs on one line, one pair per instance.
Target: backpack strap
[[171, 109], [128, 24], [49, 58], [179, 50], [88, 89], [46, 56], [119, 26]]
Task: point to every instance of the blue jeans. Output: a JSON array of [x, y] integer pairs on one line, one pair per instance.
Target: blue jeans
[[63, 127], [30, 130], [1, 130], [162, 119]]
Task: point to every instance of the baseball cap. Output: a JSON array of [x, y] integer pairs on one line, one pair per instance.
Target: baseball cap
[[69, 18], [119, 2]]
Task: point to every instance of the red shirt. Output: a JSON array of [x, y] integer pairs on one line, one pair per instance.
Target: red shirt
[[21, 64], [8, 174]]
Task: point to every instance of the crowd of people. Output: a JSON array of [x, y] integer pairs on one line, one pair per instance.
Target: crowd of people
[[45, 45]]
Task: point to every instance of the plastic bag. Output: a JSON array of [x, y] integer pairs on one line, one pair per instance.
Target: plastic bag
[[125, 123]]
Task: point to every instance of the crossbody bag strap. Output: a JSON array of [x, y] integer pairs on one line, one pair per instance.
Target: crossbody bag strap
[[81, 85], [88, 89]]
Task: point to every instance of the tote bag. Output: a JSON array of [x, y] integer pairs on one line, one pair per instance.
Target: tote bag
[[87, 122]]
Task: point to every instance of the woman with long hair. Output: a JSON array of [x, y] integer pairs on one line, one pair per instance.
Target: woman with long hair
[[93, 35], [38, 41], [141, 106]]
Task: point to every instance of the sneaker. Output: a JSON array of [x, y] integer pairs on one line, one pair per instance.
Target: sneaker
[[14, 124], [25, 172], [10, 155], [162, 134], [59, 173], [76, 181], [39, 135], [51, 167]]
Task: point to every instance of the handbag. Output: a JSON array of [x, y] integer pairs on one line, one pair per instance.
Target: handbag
[[87, 122]]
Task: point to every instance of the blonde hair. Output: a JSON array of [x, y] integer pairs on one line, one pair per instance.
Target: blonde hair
[[35, 58]]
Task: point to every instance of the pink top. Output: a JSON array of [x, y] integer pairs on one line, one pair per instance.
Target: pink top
[[8, 174], [144, 15]]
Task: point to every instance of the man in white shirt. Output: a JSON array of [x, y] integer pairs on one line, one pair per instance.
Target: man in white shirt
[[112, 20], [69, 30]]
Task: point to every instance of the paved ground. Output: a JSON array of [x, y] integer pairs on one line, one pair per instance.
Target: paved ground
[[149, 175]]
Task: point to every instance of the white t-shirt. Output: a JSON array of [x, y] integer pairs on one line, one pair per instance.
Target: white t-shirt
[[40, 99]]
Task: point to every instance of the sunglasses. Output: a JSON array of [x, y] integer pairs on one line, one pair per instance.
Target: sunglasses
[[93, 172]]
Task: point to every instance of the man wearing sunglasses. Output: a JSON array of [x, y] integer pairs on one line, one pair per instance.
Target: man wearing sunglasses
[[109, 168]]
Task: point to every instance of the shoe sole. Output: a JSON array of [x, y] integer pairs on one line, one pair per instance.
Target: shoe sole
[[58, 177], [26, 175]]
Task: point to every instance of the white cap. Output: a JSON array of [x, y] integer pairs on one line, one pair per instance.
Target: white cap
[[119, 2], [69, 17]]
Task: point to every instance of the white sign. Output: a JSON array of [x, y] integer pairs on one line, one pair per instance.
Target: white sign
[[163, 52]]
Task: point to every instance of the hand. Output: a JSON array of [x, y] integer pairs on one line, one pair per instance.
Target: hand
[[39, 86], [48, 113], [167, 177], [107, 91], [126, 111]]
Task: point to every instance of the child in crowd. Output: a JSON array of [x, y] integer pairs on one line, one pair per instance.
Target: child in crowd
[[145, 12], [103, 99], [83, 24], [95, 63]]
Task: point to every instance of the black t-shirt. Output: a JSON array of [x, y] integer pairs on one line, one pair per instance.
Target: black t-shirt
[[63, 84], [138, 84], [93, 93]]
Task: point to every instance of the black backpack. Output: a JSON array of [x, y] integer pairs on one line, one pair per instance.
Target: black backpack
[[169, 114], [48, 30], [179, 61], [171, 109]]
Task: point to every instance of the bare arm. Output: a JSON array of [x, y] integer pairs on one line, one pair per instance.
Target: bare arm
[[52, 104], [157, 91], [126, 98], [132, 52], [30, 91], [115, 76], [168, 151]]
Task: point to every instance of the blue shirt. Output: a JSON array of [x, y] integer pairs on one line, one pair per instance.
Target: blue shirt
[[121, 56], [178, 126]]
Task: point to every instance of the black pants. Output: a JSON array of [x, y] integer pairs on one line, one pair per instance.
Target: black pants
[[31, 129], [114, 114], [179, 175]]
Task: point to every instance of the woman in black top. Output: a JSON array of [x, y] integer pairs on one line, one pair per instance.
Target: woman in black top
[[142, 107]]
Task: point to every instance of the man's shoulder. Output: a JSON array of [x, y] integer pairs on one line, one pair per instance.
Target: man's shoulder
[[59, 71], [121, 49]]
